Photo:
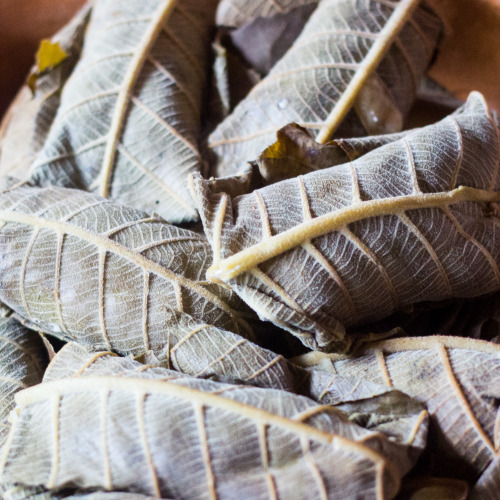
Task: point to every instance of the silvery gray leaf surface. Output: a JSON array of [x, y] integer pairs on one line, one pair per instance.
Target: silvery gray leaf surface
[[369, 54], [372, 405], [190, 438], [128, 122], [412, 221], [85, 268], [457, 379]]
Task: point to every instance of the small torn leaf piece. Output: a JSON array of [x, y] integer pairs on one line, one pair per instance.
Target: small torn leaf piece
[[27, 121], [236, 13], [49, 55], [338, 59], [370, 405], [408, 222], [296, 153], [128, 122], [23, 359], [190, 435], [457, 379]]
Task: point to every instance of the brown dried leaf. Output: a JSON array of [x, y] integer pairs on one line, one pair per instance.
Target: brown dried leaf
[[295, 152]]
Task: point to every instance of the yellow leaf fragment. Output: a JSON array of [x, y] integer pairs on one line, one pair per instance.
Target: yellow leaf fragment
[[48, 56]]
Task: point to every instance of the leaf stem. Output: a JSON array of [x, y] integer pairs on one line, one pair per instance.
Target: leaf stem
[[271, 247], [377, 51]]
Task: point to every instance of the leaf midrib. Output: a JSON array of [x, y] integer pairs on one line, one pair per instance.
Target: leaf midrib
[[133, 72], [96, 384], [251, 257], [406, 344], [376, 53]]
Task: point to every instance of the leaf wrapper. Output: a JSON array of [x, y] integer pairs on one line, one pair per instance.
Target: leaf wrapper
[[458, 380], [340, 59], [411, 221], [128, 123], [84, 268], [187, 437]]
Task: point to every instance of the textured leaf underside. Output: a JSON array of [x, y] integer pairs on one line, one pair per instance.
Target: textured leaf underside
[[458, 380], [22, 362], [346, 55], [128, 122], [411, 221], [85, 268], [198, 437]]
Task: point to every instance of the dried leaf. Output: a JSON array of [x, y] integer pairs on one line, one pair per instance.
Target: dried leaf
[[370, 405], [238, 12], [110, 277], [411, 221], [23, 24], [338, 61], [17, 124], [262, 42], [231, 81], [429, 90], [488, 485], [129, 119], [295, 152], [50, 54], [27, 121], [22, 362], [457, 379], [84, 268], [38, 493], [192, 436]]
